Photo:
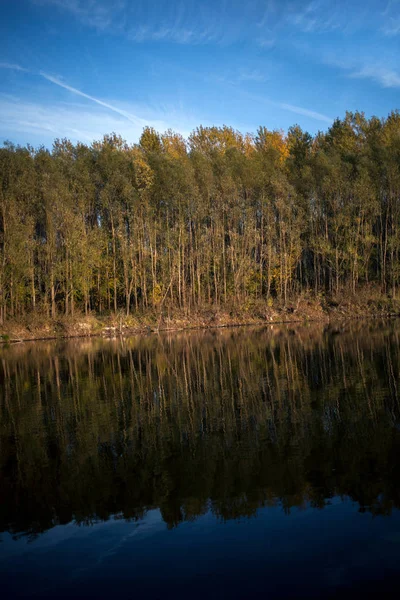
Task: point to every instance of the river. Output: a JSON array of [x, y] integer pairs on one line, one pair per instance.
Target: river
[[237, 463]]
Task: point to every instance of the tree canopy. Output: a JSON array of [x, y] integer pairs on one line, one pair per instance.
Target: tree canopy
[[219, 218]]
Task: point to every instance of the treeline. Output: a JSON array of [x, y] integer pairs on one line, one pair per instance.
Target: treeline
[[216, 219]]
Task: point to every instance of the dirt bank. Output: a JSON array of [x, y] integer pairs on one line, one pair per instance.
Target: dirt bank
[[301, 310]]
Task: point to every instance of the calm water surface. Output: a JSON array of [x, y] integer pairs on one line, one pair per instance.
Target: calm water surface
[[240, 463]]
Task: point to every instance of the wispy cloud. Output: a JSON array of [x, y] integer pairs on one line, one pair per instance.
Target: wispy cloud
[[184, 22], [12, 67], [235, 84], [193, 22], [382, 72], [271, 8], [392, 26], [314, 17], [251, 75], [98, 14], [259, 22], [236, 78], [378, 72], [57, 81], [39, 122], [170, 34], [385, 77], [35, 120], [141, 21], [266, 42], [79, 122], [390, 14]]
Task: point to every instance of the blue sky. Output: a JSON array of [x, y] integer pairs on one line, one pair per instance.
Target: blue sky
[[82, 68]]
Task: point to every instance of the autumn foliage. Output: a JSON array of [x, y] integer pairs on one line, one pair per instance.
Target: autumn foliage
[[218, 218]]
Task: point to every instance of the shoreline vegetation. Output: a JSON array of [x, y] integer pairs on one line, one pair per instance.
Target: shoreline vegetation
[[222, 228], [304, 311]]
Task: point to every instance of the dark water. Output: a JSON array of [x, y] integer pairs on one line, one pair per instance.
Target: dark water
[[228, 464]]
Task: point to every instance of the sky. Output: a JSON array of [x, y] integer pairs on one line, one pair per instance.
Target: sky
[[83, 68]]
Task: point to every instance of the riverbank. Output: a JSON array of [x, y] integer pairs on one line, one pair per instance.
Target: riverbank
[[302, 310]]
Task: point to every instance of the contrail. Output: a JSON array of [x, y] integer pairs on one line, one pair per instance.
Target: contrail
[[305, 112], [131, 118]]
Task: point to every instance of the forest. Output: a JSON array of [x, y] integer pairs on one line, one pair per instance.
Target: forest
[[221, 218]]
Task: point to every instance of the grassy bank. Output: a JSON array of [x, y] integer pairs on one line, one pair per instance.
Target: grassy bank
[[366, 303]]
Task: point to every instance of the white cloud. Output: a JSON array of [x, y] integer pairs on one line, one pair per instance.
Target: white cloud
[[12, 67], [39, 122], [387, 78], [383, 73]]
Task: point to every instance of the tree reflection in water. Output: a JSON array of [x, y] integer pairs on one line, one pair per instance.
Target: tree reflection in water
[[225, 421]]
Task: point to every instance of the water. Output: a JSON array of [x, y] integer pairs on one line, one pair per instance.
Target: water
[[236, 463]]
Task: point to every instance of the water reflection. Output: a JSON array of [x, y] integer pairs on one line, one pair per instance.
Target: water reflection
[[223, 421]]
